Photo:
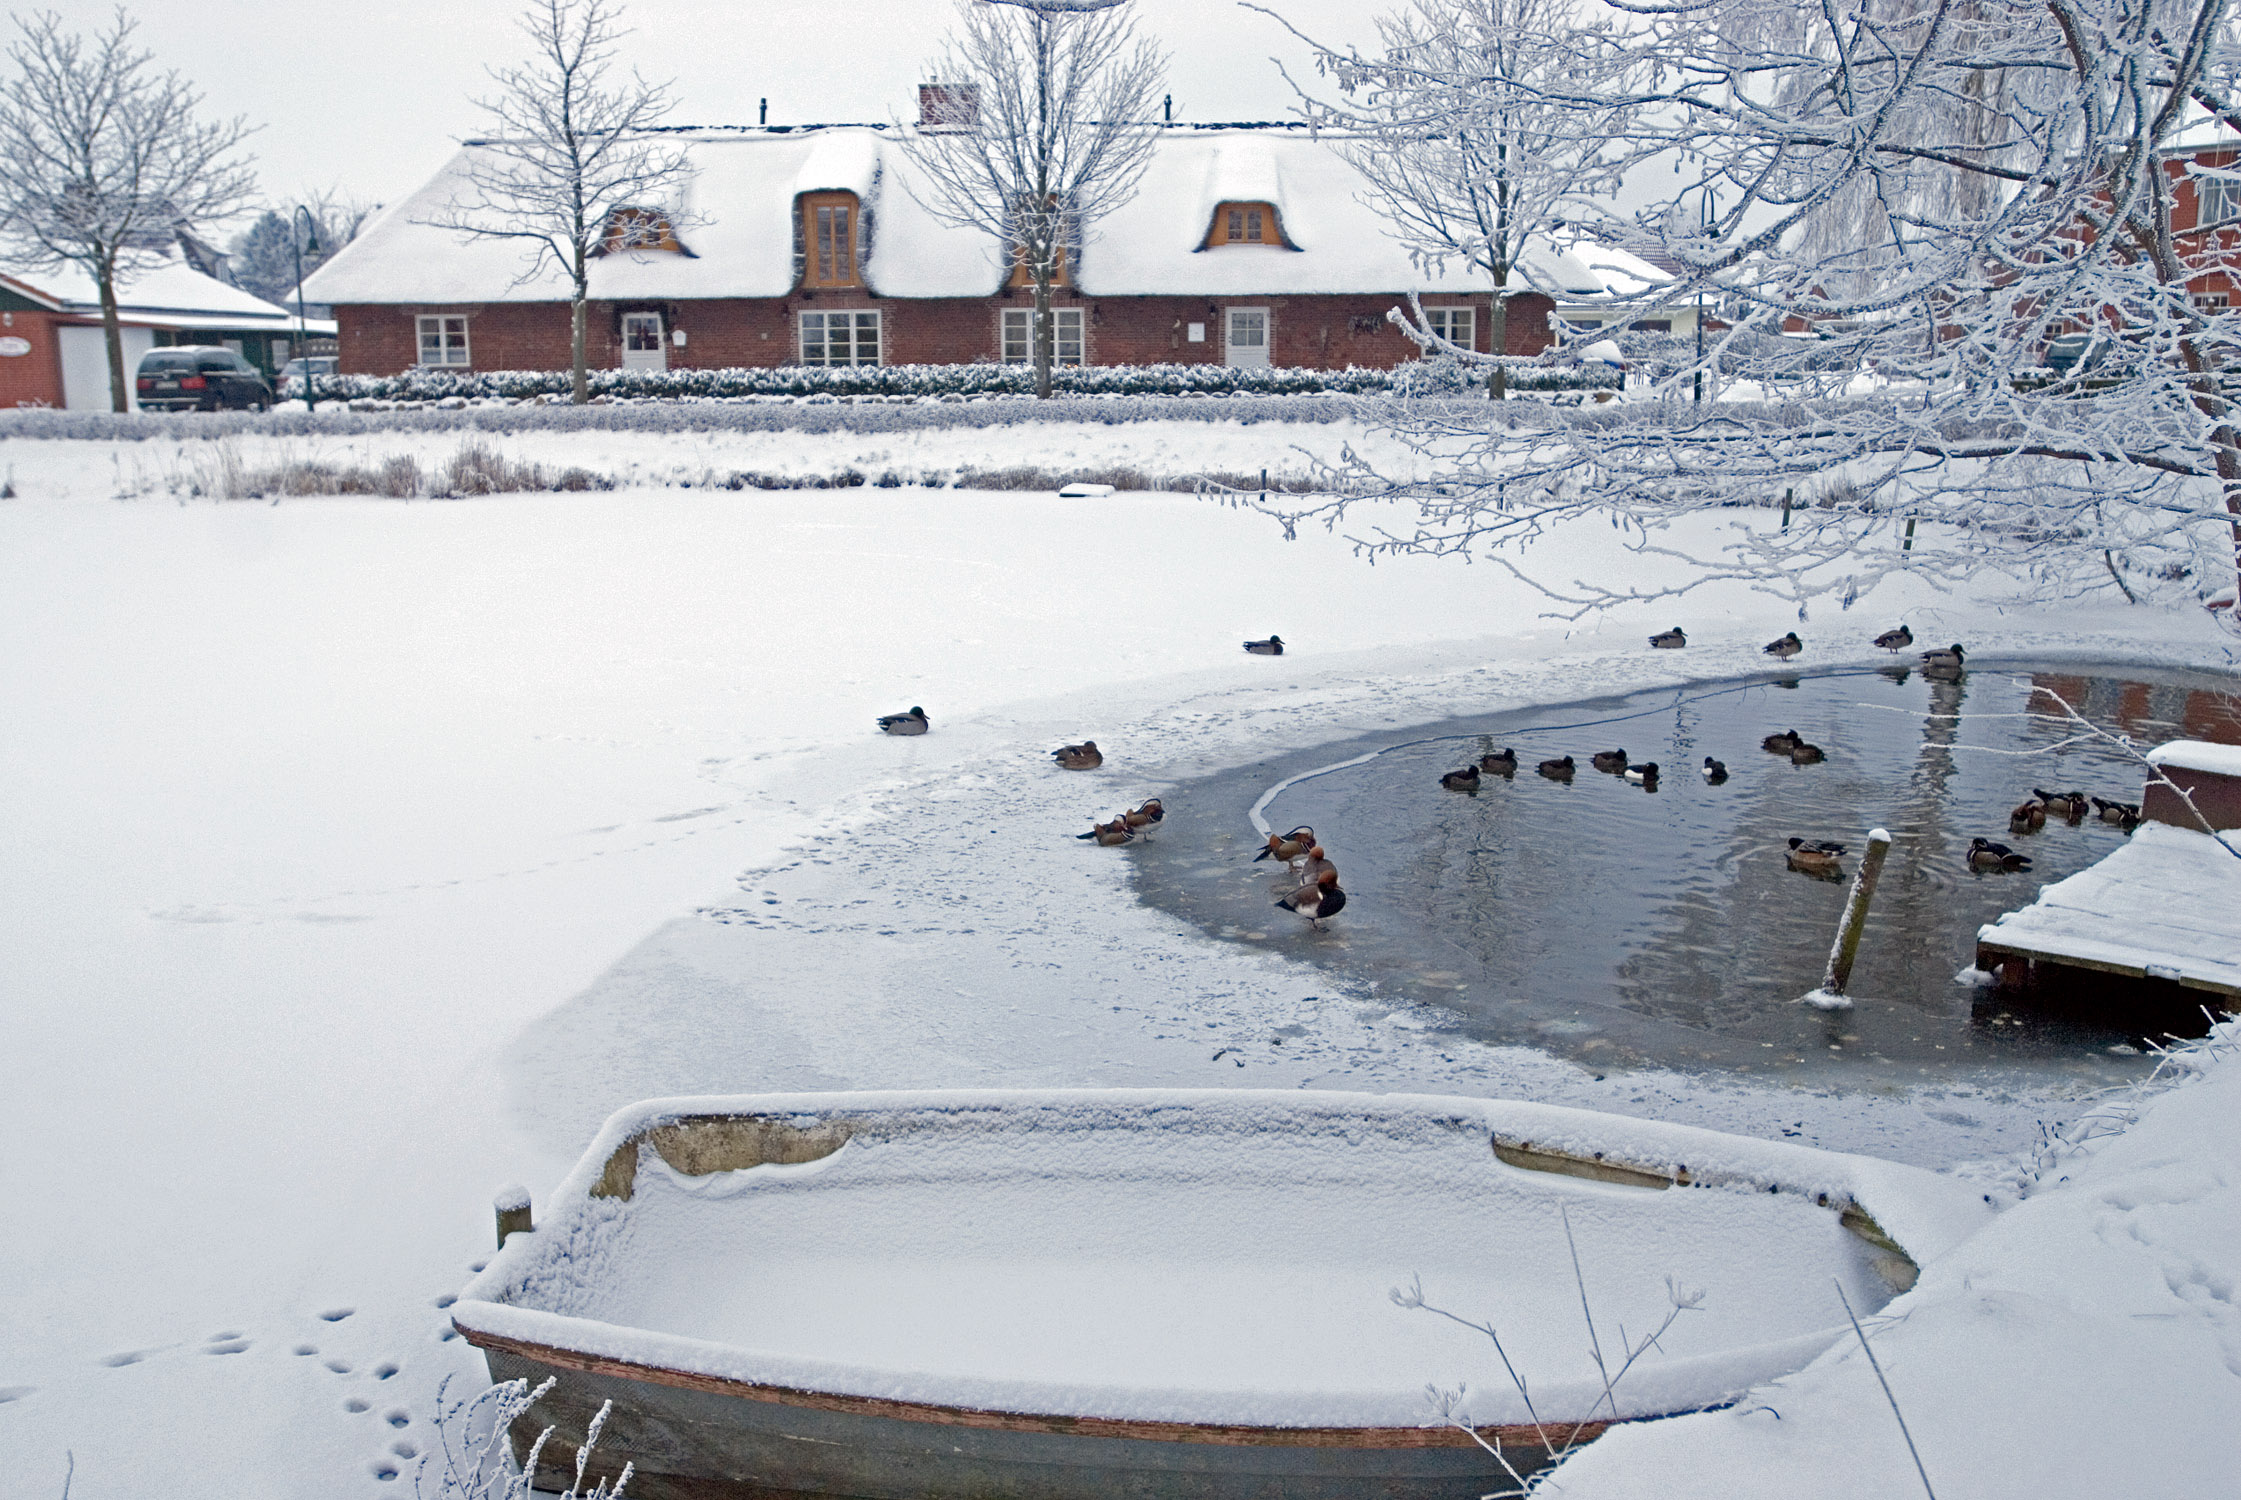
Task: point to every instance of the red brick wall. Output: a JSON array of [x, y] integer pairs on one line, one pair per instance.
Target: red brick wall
[[1313, 332], [33, 379]]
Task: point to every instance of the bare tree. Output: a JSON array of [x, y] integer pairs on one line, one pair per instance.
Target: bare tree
[[1481, 126], [103, 162], [1043, 126], [570, 169], [1971, 325]]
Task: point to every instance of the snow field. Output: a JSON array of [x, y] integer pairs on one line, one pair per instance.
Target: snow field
[[368, 853]]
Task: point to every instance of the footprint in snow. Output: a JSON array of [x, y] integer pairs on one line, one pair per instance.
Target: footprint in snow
[[10, 1393], [337, 1314], [384, 1370], [354, 1404], [226, 1346], [129, 1357], [398, 1417], [339, 1366]]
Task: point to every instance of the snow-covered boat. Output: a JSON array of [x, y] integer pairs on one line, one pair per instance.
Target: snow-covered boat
[[1052, 1294]]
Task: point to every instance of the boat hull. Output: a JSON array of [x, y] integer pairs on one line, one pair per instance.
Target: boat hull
[[692, 1437]]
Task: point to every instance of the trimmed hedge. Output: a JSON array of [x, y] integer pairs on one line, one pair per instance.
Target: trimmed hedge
[[919, 381]]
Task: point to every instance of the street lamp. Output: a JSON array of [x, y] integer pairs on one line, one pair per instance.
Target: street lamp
[[1707, 215], [309, 241]]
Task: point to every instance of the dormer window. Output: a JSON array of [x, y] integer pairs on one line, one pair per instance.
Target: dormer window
[[640, 229], [829, 224], [1246, 224]]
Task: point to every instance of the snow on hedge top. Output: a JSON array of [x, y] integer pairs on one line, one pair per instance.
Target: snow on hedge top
[[1220, 1256], [743, 186], [2197, 755], [171, 288]]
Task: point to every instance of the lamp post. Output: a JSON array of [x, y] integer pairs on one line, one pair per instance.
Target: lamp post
[[309, 241], [1707, 214]]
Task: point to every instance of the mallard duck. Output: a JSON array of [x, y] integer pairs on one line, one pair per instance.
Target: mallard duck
[[1669, 640], [1273, 646], [1613, 761], [1787, 647], [1110, 835], [1949, 662], [1986, 855], [913, 722], [2027, 817], [1144, 817], [1082, 757], [1816, 857], [1644, 774], [1318, 900], [1501, 762], [1715, 771], [1783, 743], [2126, 815], [1895, 640], [1288, 846], [1556, 770], [2069, 806], [1465, 780], [1805, 753]]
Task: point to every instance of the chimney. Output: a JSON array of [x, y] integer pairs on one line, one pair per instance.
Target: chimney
[[950, 104]]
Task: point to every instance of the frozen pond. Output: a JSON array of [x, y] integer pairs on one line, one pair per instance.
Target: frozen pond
[[1624, 927]]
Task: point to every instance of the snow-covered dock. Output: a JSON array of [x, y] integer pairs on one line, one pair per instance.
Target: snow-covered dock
[[2166, 906]]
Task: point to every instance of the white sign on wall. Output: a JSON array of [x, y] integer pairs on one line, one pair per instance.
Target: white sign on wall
[[12, 347]]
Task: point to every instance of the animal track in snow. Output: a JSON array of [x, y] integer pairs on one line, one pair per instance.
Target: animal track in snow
[[307, 1349], [354, 1404], [10, 1393], [398, 1417], [339, 1366], [129, 1357], [337, 1314], [384, 1370], [404, 1449], [385, 1470], [228, 1346], [446, 1300]]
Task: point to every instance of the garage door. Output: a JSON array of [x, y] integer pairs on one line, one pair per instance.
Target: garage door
[[85, 366]]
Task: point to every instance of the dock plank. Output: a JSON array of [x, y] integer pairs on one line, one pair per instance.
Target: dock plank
[[2167, 903]]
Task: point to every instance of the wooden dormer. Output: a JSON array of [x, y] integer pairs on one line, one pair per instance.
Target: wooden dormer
[[640, 229], [830, 226], [1246, 223]]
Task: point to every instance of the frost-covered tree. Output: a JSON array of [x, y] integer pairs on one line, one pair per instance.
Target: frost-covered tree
[[569, 170], [1954, 244], [1043, 126], [263, 257], [104, 162], [1481, 126]]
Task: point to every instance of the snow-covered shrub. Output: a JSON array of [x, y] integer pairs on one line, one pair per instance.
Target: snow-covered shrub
[[472, 1461]]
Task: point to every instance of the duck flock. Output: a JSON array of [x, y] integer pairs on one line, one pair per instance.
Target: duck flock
[[1310, 888]]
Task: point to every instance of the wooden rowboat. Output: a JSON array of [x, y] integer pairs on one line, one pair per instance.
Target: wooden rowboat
[[1204, 1294]]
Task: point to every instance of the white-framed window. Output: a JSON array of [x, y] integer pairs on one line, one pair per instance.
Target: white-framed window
[[1458, 325], [443, 339], [2217, 200], [840, 338], [1065, 335], [1245, 331]]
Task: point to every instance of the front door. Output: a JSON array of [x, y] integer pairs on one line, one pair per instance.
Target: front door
[[1247, 343], [643, 345]]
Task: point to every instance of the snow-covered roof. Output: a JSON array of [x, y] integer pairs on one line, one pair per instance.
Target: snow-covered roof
[[173, 294], [736, 217]]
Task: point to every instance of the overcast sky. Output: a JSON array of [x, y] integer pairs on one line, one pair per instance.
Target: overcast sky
[[369, 95]]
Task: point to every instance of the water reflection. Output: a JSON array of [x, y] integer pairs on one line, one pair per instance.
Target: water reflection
[[1624, 927]]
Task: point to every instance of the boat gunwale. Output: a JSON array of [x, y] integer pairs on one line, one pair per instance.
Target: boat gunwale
[[1227, 1434]]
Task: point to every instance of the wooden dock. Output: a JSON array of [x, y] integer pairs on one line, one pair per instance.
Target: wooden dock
[[2166, 906]]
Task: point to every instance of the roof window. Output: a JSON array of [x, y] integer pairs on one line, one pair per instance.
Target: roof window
[[1243, 223], [829, 224], [640, 229]]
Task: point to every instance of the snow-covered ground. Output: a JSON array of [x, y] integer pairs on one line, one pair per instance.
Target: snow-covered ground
[[364, 855]]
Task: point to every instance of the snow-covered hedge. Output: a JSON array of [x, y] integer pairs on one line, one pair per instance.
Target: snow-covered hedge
[[901, 380]]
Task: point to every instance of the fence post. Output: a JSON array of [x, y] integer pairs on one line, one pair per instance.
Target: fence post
[[512, 1206], [1847, 946]]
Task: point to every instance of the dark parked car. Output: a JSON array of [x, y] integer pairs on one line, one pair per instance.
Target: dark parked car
[[200, 377]]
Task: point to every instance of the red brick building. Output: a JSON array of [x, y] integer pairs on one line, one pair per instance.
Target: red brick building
[[1244, 245]]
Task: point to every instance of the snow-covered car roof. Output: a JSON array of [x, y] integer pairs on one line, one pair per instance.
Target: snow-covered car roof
[[736, 206]]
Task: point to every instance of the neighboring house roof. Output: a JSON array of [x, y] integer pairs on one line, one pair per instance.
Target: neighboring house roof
[[172, 295], [735, 211]]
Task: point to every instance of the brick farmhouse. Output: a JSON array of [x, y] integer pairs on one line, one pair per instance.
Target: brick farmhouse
[[1243, 245]]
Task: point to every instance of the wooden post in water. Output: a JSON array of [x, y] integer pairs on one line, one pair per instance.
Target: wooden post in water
[[512, 1205], [1855, 914], [1786, 508]]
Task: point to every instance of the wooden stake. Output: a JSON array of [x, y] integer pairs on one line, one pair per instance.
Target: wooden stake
[[1855, 914], [512, 1205], [1786, 508]]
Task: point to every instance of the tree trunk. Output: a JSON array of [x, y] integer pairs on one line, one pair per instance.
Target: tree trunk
[[1498, 334], [1043, 330], [579, 385], [112, 335]]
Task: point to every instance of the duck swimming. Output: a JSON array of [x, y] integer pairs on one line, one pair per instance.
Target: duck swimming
[[1273, 646], [2027, 817], [1804, 753], [1783, 743], [1895, 640], [1715, 771], [1465, 780], [1669, 640], [1613, 761], [2126, 815], [1986, 855], [1556, 770], [913, 722], [2066, 805], [1949, 662], [1082, 757], [1816, 857], [1644, 774], [1501, 762], [1787, 647]]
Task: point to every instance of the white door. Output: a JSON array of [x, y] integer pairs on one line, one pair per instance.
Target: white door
[[85, 366], [643, 347], [1247, 341]]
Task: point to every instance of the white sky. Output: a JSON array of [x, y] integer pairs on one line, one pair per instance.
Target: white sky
[[369, 95]]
